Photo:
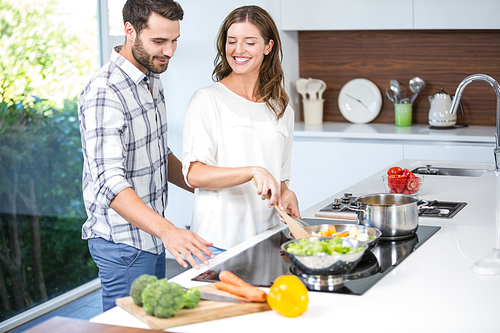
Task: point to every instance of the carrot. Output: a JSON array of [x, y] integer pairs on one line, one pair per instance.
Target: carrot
[[252, 293], [231, 278]]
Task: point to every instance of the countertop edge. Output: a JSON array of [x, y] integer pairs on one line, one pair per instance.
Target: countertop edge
[[339, 130]]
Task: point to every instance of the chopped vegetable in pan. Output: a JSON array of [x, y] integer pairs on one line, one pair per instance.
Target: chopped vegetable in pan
[[312, 247]]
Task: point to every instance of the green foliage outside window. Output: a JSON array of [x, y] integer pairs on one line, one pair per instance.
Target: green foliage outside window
[[42, 71]]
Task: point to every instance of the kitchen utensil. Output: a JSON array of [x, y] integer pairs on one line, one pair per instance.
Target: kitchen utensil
[[395, 87], [390, 94], [373, 233], [335, 264], [206, 310], [302, 223], [293, 225], [394, 214], [301, 85], [416, 86], [313, 88], [321, 90], [440, 111], [220, 298], [401, 94]]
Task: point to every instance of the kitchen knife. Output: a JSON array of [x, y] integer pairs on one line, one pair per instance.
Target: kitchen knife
[[219, 298]]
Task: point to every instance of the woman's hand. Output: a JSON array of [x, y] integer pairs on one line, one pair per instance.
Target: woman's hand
[[265, 183], [289, 202], [211, 177]]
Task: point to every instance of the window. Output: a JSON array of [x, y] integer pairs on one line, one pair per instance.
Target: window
[[111, 26], [49, 52]]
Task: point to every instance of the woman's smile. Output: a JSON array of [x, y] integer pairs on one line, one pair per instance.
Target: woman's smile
[[241, 60]]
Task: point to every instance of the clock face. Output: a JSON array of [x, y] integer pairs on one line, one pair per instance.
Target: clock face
[[360, 101]]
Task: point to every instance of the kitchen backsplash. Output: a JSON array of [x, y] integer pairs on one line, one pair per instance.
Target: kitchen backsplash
[[441, 58]]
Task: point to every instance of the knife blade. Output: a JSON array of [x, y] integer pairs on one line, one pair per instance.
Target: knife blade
[[219, 298]]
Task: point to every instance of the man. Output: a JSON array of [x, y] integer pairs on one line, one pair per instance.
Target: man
[[127, 161]]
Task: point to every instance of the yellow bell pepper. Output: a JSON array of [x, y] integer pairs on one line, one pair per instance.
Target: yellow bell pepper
[[288, 296]]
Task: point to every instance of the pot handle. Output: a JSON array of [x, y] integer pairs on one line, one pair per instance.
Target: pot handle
[[354, 207]]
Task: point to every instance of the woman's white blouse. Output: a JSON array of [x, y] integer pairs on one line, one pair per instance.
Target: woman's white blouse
[[223, 129]]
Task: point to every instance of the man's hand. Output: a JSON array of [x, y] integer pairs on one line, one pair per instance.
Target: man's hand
[[188, 244], [177, 241]]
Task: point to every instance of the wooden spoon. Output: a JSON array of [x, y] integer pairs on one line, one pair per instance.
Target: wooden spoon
[[296, 229]]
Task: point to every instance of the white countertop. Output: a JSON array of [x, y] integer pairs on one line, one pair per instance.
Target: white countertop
[[432, 290], [342, 130]]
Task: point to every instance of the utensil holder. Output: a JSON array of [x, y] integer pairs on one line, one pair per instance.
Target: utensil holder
[[403, 113], [313, 111]]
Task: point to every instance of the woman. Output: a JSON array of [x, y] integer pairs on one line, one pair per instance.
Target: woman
[[238, 135]]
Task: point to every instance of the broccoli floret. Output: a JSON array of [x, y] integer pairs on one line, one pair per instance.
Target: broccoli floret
[[192, 298], [139, 285], [163, 299]]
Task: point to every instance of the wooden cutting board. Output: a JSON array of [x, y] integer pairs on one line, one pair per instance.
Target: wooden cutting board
[[206, 310]]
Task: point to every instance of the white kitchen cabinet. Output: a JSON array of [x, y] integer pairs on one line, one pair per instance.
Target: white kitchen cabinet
[[448, 152], [330, 157], [389, 14], [323, 168], [456, 14], [346, 15]]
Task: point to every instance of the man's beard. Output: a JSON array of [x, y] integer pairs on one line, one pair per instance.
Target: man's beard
[[146, 60]]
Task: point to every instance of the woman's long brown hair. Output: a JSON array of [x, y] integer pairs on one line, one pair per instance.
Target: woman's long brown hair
[[270, 85]]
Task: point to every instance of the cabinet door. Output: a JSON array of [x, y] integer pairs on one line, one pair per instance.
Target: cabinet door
[[346, 15], [464, 153], [456, 14], [323, 168]]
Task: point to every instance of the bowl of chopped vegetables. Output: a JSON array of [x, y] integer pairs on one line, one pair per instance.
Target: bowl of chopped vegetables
[[325, 255], [368, 235], [398, 180]]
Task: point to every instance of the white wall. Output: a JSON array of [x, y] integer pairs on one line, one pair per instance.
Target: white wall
[[191, 68]]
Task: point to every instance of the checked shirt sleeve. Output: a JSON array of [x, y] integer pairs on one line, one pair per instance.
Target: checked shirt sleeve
[[103, 127]]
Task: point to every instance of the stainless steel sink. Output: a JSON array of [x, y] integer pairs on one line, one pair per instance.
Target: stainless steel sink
[[445, 171]]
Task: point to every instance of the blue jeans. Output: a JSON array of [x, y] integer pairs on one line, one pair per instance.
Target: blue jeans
[[119, 265]]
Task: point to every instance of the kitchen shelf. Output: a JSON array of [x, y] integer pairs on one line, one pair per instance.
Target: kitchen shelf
[[482, 135]]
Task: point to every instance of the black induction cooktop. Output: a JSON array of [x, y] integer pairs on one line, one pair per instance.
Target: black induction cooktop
[[261, 264]]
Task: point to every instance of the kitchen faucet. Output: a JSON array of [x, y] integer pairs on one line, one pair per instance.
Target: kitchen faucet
[[491, 264], [496, 87]]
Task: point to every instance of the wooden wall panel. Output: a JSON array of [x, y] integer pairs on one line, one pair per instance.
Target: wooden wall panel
[[440, 58]]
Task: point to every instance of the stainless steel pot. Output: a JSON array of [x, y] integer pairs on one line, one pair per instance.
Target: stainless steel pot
[[394, 214]]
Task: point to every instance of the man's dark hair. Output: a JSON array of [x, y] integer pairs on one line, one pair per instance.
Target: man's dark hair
[[137, 12]]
